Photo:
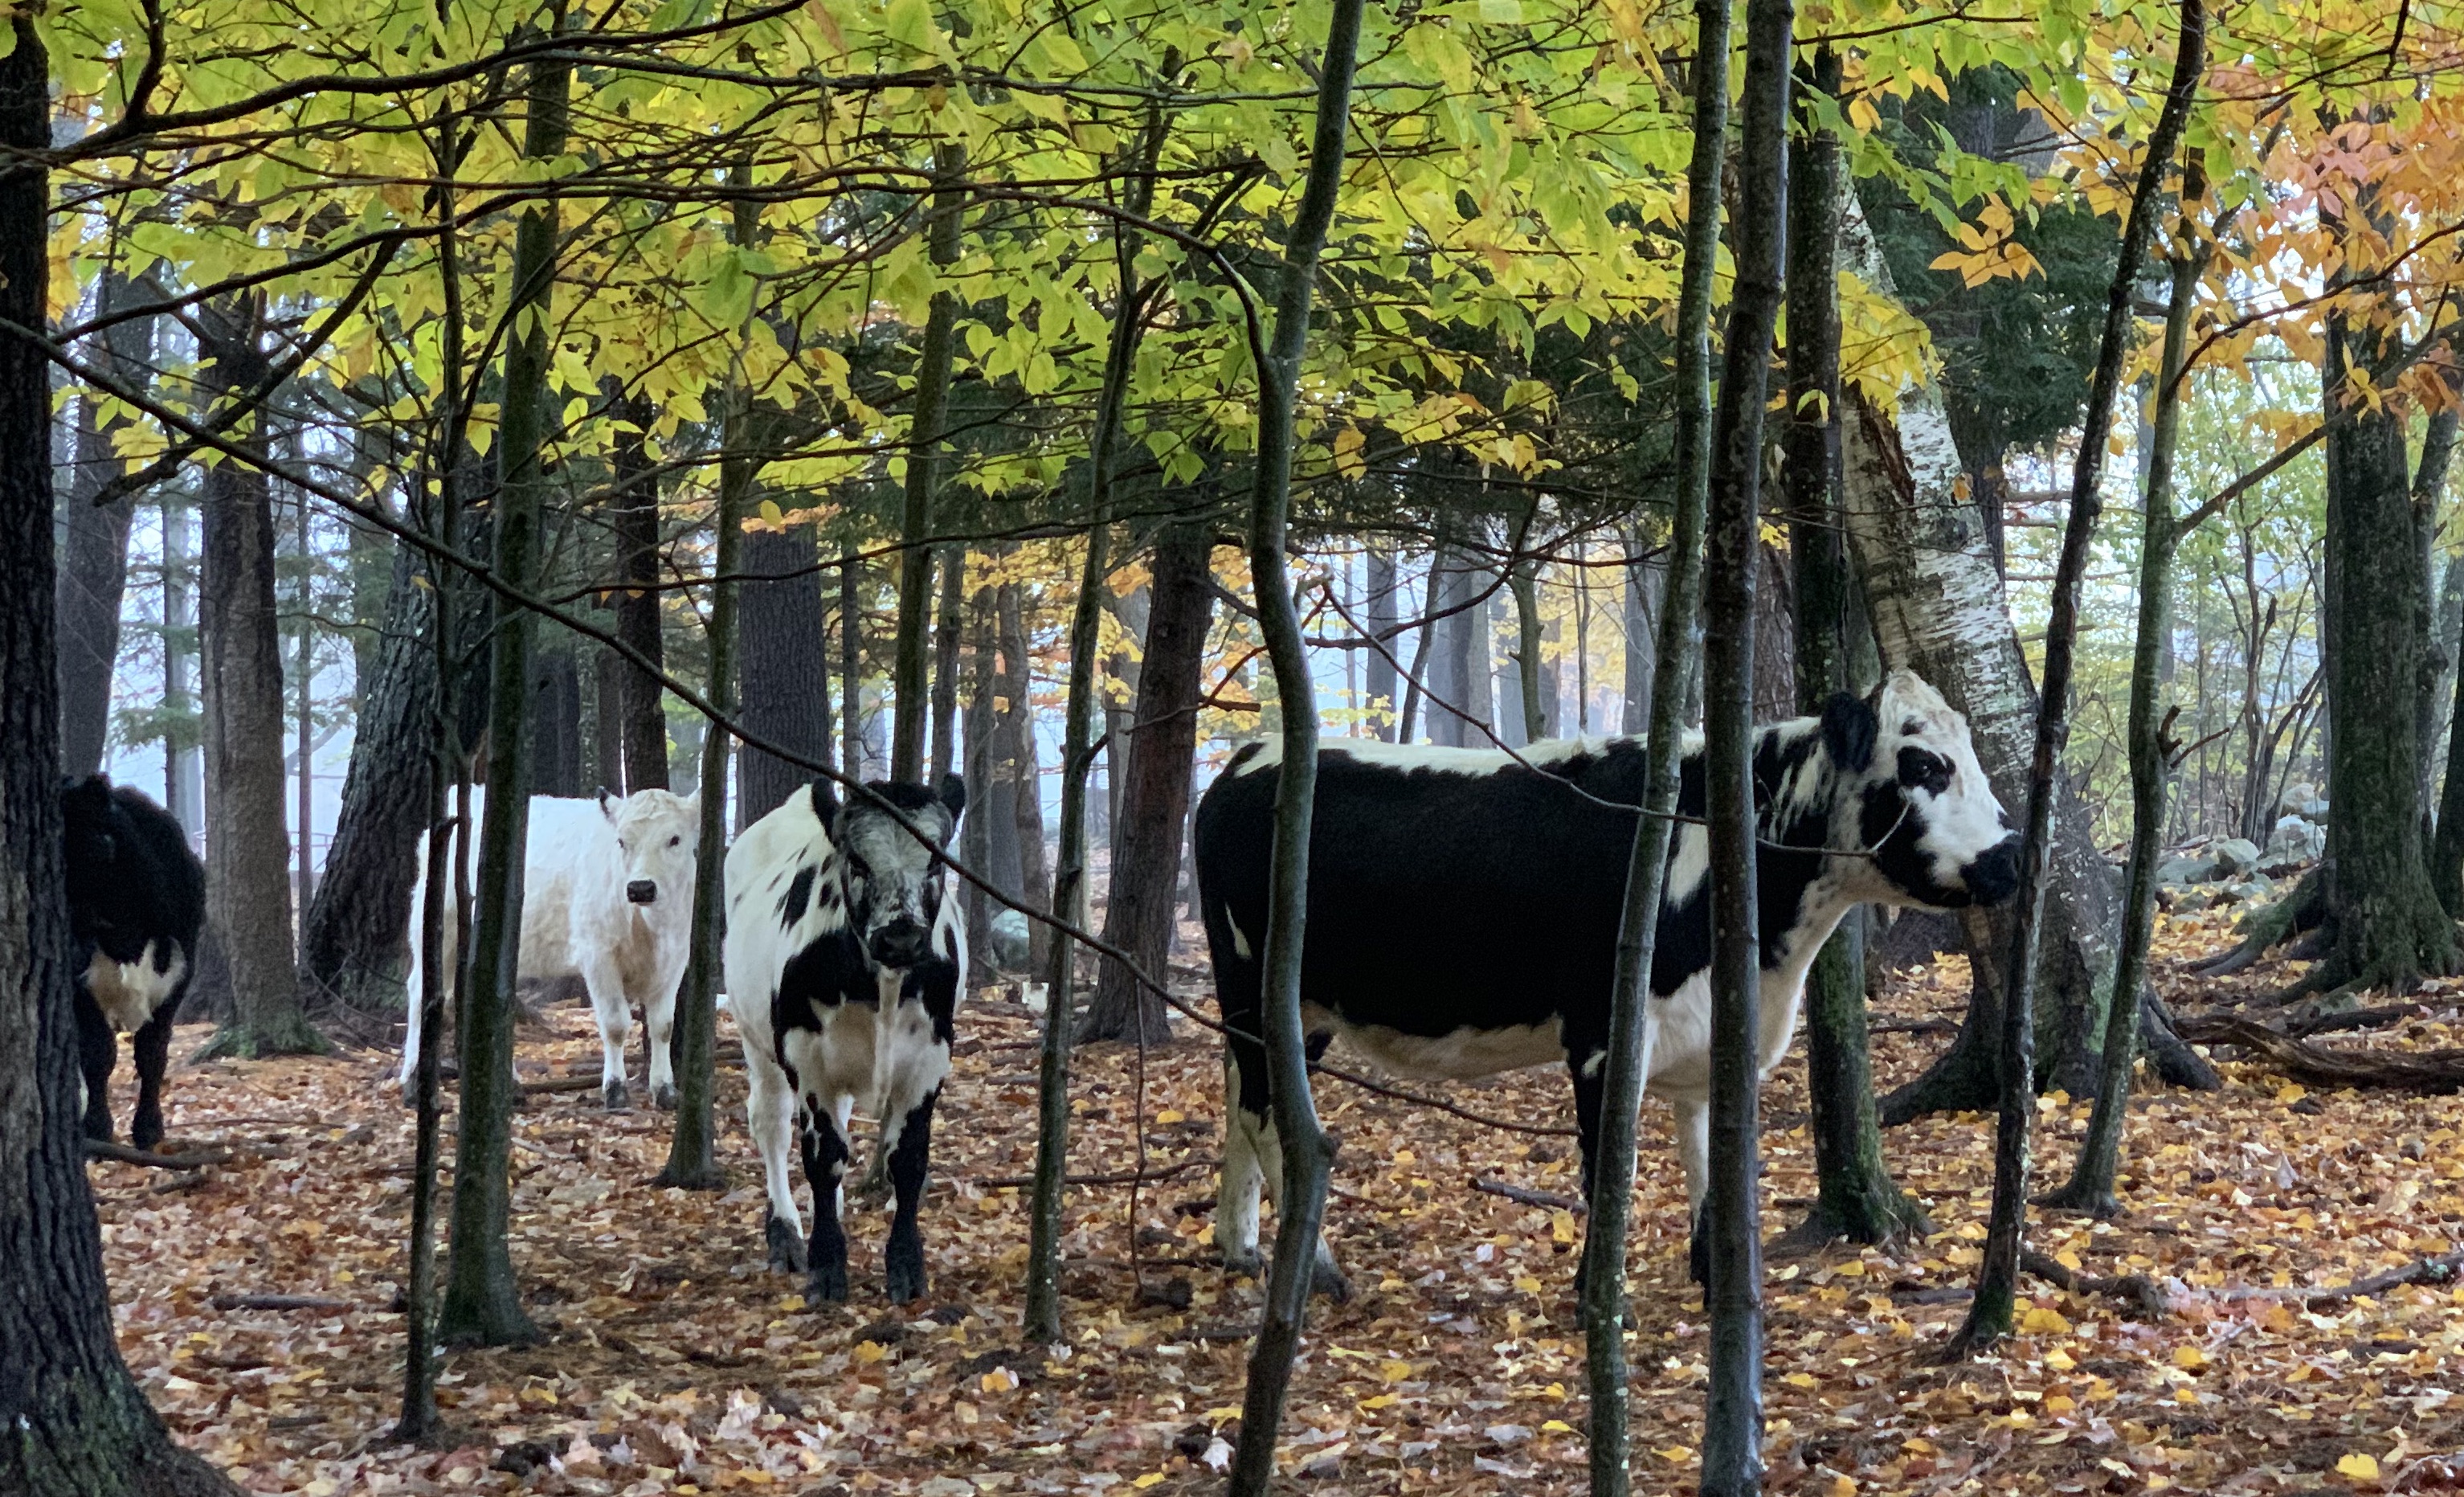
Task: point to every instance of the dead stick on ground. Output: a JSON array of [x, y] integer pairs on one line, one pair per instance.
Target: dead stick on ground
[[2329, 1066], [2441, 1269], [228, 1302], [1021, 1181], [102, 1148], [1528, 1197], [2139, 1296]]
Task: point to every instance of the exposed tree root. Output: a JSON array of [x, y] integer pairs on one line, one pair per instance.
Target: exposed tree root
[[2444, 1269], [2320, 1065], [2141, 1298], [1528, 1197], [2296, 913]]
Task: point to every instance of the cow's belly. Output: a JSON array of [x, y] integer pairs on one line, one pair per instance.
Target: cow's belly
[[129, 992], [1458, 1055]]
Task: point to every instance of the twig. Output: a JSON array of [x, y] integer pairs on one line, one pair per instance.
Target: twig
[[2141, 1298], [102, 1148], [1527, 1196], [2441, 1269], [1133, 1177], [1913, 1027], [278, 1302]]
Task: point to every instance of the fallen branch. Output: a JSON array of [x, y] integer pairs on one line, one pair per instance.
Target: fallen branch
[[1525, 1196], [1913, 1027], [2307, 1024], [2441, 1269], [2320, 1065], [1134, 1178], [2141, 1297], [103, 1149], [277, 1302]]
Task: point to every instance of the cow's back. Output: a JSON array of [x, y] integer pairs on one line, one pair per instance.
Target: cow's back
[[1446, 888], [572, 885]]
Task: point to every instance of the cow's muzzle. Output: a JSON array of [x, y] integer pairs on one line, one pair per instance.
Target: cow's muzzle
[[642, 891], [901, 943], [1994, 876]]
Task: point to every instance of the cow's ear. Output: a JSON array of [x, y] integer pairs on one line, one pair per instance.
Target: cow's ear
[[1848, 729], [954, 794], [609, 801], [825, 804]]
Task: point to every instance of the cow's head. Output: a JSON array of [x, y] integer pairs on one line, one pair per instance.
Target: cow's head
[[657, 833], [893, 882], [106, 875], [1917, 800]]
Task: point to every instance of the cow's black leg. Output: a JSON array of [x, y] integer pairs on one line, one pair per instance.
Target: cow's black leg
[[825, 1162], [153, 1053], [97, 1048], [1588, 1064], [909, 1163]]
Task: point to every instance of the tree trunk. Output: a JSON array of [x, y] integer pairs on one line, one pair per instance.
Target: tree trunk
[[948, 631], [1307, 1153], [482, 1304], [1732, 1420], [93, 566], [607, 719], [184, 761], [1856, 1197], [78, 1425], [785, 665], [2385, 928], [556, 721], [248, 857], [351, 946], [1384, 616], [1938, 608], [1990, 1314], [1159, 757], [909, 687], [1538, 710], [634, 518], [851, 664], [1643, 583], [988, 820]]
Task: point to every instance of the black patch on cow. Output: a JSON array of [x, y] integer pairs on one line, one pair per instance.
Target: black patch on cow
[[1921, 769], [1849, 728], [799, 897]]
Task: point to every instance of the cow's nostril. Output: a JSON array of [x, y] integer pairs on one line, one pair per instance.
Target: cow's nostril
[[642, 891]]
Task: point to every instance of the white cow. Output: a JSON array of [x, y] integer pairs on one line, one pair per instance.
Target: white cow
[[606, 896]]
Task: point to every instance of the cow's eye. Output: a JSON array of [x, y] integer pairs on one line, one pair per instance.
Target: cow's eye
[[677, 840], [1920, 770]]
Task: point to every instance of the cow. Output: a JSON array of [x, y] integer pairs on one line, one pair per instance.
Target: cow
[[137, 904], [1464, 909], [846, 957], [606, 896]]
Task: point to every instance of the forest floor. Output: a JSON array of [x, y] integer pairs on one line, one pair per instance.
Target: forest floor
[[675, 1362]]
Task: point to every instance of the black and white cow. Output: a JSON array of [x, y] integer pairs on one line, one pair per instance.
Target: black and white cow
[[846, 958], [137, 901], [1463, 910]]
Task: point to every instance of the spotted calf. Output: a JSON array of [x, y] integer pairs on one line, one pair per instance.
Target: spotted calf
[[137, 902]]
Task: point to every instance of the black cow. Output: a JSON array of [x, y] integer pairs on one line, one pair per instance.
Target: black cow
[[1463, 910], [137, 901], [846, 960]]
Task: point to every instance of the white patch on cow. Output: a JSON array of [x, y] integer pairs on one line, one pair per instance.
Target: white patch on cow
[[1459, 1056], [129, 992], [578, 920], [1439, 759], [1236, 1199], [1240, 941], [1688, 868]]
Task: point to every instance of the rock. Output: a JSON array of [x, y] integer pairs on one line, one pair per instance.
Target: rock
[[1009, 943], [2305, 801], [2235, 856], [2186, 869], [2295, 840]]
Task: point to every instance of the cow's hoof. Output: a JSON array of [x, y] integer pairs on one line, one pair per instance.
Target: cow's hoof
[[146, 1133], [1242, 1262], [615, 1098], [904, 1273], [1698, 1258], [787, 1246], [663, 1096], [828, 1284], [1326, 1281]]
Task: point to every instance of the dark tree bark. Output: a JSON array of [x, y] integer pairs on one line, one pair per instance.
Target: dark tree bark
[[607, 718], [482, 1304], [2385, 928], [1537, 708], [635, 517], [949, 630], [1774, 637], [1732, 1420], [1025, 777], [351, 946], [988, 820], [909, 691], [1856, 1197], [784, 665], [1990, 1314], [1307, 1153], [852, 663], [248, 856], [78, 1425], [1384, 617], [1160, 755], [556, 722], [1644, 581], [93, 566]]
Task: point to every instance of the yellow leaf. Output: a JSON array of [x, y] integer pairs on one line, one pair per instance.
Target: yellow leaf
[[1171, 1114], [1561, 1225], [2068, 1260], [1675, 1452], [2360, 1465], [1800, 1380], [2190, 1358], [2059, 1361], [868, 1353], [1843, 1487], [1556, 1426], [1221, 1412], [1383, 1401], [2291, 1093], [2040, 1321], [1000, 1380], [1151, 1478], [1527, 1284], [1396, 1371]]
